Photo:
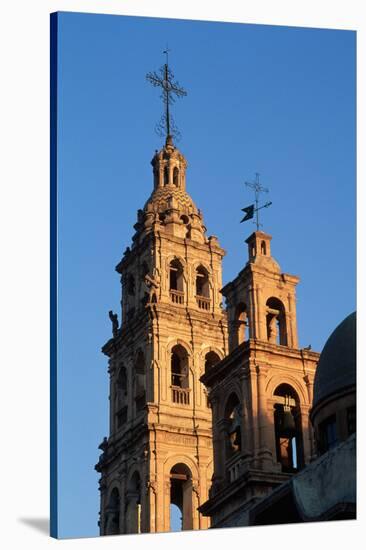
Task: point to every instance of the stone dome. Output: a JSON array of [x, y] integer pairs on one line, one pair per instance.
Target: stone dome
[[161, 199], [336, 370]]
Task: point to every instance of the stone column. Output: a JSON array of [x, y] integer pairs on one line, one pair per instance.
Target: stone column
[[264, 452], [246, 447], [307, 434], [291, 322], [253, 329], [166, 504], [260, 314], [160, 511]]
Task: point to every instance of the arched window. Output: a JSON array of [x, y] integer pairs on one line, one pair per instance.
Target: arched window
[[263, 248], [112, 514], [181, 498], [140, 381], [233, 422], [120, 398], [166, 175], [180, 375], [211, 358], [288, 432], [176, 282], [176, 176], [130, 285], [202, 288], [122, 381], [276, 322], [133, 505]]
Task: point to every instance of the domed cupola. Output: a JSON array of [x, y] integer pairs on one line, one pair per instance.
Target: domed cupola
[[169, 205], [169, 167], [334, 405]]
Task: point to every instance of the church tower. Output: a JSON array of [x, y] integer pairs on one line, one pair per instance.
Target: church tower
[[261, 393], [173, 329]]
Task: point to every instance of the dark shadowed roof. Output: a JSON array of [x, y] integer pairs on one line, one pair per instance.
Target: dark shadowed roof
[[337, 364]]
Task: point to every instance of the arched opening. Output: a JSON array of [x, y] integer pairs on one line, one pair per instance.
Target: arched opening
[[242, 324], [180, 375], [211, 358], [133, 505], [112, 514], [276, 322], [263, 248], [130, 285], [288, 431], [202, 288], [233, 425], [184, 219], [166, 176], [140, 381], [122, 382], [176, 281], [120, 401], [181, 498], [176, 176]]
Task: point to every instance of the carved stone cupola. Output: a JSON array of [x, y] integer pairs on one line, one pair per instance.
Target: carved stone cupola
[[169, 167]]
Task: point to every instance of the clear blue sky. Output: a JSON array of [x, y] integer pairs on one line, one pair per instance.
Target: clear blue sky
[[275, 100]]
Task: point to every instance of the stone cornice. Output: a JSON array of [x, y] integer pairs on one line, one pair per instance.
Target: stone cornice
[[241, 354], [239, 486]]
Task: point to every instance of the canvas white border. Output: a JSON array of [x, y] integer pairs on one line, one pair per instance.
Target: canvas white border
[[24, 173]]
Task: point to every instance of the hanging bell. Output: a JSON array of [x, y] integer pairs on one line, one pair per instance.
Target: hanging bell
[[287, 422]]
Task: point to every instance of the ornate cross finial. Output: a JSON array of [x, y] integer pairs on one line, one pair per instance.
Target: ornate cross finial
[[249, 210], [170, 88]]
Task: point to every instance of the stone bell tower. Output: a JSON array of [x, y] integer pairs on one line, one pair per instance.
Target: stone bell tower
[[261, 393], [173, 329]]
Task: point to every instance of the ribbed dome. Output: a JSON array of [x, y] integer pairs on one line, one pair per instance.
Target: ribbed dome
[[161, 199], [337, 364]]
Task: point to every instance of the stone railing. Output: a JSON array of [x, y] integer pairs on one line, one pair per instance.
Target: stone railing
[[203, 303], [177, 296], [235, 470], [180, 395]]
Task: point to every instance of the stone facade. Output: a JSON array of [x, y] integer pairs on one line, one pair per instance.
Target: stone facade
[[173, 329], [261, 393]]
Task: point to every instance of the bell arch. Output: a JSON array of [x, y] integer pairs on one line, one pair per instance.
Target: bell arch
[[276, 322], [176, 176], [279, 379], [112, 513], [232, 416], [288, 428], [179, 369], [133, 503], [241, 324], [181, 494]]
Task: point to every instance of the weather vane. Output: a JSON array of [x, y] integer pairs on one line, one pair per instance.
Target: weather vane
[[249, 210], [170, 88]]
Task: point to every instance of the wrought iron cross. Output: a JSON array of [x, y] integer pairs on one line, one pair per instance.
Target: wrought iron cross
[[257, 187], [170, 88]]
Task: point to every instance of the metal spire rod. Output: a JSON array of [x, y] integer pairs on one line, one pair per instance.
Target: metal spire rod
[[170, 88], [249, 210]]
